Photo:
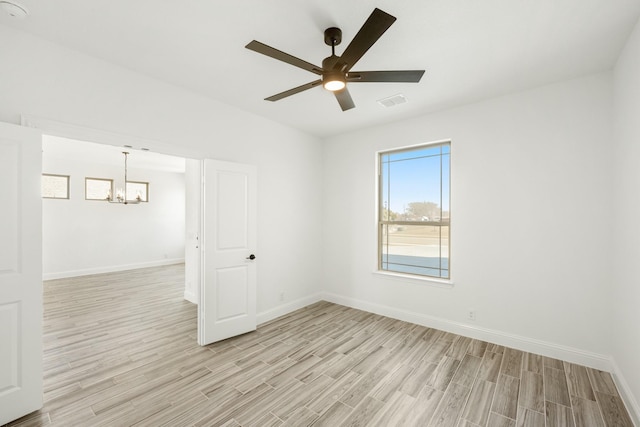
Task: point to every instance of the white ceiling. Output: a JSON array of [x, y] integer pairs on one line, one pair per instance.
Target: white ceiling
[[470, 49]]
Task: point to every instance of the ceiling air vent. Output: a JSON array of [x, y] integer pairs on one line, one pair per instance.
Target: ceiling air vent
[[392, 100]]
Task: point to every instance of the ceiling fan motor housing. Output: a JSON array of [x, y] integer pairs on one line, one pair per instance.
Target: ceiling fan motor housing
[[329, 74]]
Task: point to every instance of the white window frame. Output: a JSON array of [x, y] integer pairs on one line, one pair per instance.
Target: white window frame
[[434, 280], [68, 178], [86, 179], [129, 195]]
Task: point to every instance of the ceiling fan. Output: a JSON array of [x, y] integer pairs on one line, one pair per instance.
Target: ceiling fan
[[336, 72]]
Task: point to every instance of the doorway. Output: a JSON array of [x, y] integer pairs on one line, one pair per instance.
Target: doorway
[[84, 234]]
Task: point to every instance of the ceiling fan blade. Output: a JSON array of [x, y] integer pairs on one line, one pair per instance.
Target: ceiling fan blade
[[262, 48], [293, 91], [344, 99], [406, 76], [374, 27]]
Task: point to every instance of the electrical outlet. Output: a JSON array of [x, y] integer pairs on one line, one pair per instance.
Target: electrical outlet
[[281, 295], [471, 314]]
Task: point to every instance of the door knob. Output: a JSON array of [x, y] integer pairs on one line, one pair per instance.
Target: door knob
[[252, 256]]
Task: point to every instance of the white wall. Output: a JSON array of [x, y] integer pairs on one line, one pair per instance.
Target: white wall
[[42, 79], [86, 237], [625, 219], [530, 213]]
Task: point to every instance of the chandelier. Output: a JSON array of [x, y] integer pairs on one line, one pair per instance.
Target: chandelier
[[121, 195]]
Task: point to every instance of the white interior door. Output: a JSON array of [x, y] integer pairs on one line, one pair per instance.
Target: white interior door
[[20, 272], [228, 289]]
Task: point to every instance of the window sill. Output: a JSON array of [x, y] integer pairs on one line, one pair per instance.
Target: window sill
[[431, 281]]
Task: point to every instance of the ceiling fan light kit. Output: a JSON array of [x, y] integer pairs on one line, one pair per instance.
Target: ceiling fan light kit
[[335, 72], [333, 82]]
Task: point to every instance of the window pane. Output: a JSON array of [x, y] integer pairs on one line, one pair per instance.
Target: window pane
[[416, 249], [55, 186], [385, 214], [445, 186], [97, 188], [433, 150], [138, 191], [414, 189]]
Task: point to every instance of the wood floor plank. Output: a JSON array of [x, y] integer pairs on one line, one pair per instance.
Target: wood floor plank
[[558, 415], [490, 366], [477, 407], [531, 391], [361, 388], [267, 420], [285, 399], [477, 348], [495, 348], [331, 394], [393, 411], [303, 416], [441, 377], [438, 350], [613, 411], [496, 420], [529, 418], [586, 412], [602, 382], [578, 381], [417, 380], [450, 406], [423, 408], [505, 401], [512, 362], [532, 363], [550, 362], [459, 348], [467, 370], [333, 416], [555, 386], [294, 370], [302, 397], [363, 413], [387, 387], [120, 349]]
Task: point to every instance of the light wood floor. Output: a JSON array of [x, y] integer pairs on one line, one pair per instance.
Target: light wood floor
[[120, 349]]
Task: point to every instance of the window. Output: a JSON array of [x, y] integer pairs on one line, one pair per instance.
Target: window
[[413, 211], [97, 188], [55, 186], [138, 191]]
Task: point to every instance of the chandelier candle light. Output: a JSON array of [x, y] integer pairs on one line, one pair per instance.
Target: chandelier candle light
[[121, 196]]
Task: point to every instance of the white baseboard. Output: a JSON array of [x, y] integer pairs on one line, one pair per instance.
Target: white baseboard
[[629, 399], [110, 269], [287, 308], [531, 345], [191, 297]]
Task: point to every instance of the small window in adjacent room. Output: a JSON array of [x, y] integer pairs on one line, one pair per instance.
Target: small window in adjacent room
[[97, 188], [138, 191], [413, 211], [55, 186]]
